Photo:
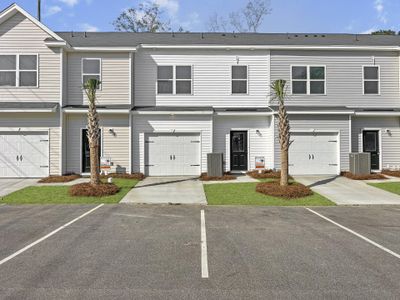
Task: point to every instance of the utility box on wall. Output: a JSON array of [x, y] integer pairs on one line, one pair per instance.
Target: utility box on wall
[[215, 164], [360, 163]]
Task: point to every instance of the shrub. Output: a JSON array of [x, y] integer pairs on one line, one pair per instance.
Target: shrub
[[59, 179], [138, 176], [226, 176], [391, 173], [256, 174], [363, 177], [89, 190], [292, 191]]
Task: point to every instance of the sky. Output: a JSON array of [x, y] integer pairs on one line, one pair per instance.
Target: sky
[[313, 16]]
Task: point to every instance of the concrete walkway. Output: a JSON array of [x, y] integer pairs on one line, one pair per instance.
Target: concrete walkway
[[167, 190], [10, 185], [344, 191], [240, 179]]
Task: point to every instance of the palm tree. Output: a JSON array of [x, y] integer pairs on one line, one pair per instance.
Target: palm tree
[[279, 90], [93, 131]]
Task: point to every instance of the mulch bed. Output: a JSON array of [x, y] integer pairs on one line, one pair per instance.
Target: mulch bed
[[256, 174], [363, 177], [226, 176], [138, 176], [59, 179], [391, 173], [88, 190], [292, 191]]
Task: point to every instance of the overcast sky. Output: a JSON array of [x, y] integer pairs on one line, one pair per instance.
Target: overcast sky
[[354, 16]]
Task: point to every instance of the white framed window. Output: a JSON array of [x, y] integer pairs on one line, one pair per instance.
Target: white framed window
[[239, 79], [308, 80], [19, 70], [91, 69], [371, 80], [174, 80]]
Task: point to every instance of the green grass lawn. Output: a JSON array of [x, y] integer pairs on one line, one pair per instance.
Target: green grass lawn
[[393, 187], [59, 195], [245, 194]]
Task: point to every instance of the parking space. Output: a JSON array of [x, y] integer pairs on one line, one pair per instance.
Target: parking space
[[156, 252]]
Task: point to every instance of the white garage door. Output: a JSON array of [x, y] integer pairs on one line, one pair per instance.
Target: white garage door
[[313, 154], [24, 154], [172, 154]]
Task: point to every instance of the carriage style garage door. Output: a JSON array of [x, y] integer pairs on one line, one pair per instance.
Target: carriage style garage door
[[313, 154], [172, 154], [24, 154]]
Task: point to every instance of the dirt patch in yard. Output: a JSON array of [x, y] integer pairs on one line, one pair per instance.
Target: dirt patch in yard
[[264, 174], [226, 176], [59, 179], [391, 173], [372, 176], [88, 190], [137, 176], [292, 191]]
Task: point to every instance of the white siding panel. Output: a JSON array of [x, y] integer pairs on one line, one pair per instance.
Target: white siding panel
[[390, 141], [37, 122], [18, 35], [259, 144], [115, 78], [116, 147], [343, 76], [211, 76], [162, 123], [323, 123]]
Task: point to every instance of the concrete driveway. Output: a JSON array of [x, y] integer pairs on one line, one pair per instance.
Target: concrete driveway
[[344, 191], [167, 190], [10, 185], [157, 252]]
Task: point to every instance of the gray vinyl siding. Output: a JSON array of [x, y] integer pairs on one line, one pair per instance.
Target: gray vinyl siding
[[18, 35], [211, 77], [334, 123], [165, 123], [114, 146], [344, 84], [259, 144], [115, 78], [37, 122], [390, 141]]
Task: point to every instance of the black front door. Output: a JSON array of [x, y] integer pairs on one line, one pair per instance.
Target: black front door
[[239, 150], [86, 152], [371, 145]]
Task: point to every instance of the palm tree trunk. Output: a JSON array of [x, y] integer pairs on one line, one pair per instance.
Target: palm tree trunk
[[284, 137], [93, 133]]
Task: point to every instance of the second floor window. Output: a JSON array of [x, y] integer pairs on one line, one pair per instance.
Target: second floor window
[[239, 79], [91, 69], [174, 80], [371, 80], [19, 70], [308, 80]]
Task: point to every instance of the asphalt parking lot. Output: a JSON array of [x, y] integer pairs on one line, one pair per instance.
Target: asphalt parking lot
[[156, 252]]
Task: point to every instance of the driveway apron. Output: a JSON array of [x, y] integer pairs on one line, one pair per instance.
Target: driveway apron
[[167, 190]]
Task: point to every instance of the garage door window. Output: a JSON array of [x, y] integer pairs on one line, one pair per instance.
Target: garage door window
[[19, 70]]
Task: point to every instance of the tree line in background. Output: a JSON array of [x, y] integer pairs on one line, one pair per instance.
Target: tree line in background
[[149, 17]]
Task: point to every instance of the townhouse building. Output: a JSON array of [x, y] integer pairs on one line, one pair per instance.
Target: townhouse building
[[166, 100]]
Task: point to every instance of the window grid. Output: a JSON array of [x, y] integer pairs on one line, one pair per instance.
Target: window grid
[[245, 80], [92, 74], [377, 80], [308, 79], [174, 80], [18, 71]]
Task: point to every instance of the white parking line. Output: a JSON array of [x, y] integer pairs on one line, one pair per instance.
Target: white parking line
[[356, 234], [47, 236], [204, 259]]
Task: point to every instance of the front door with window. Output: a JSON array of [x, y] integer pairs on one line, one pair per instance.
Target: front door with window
[[239, 150], [371, 145], [86, 152]]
